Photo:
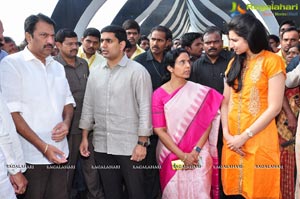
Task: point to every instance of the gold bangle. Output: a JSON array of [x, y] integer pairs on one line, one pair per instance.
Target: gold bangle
[[185, 157], [46, 148]]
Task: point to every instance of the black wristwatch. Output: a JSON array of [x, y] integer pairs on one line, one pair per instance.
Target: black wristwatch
[[144, 144]]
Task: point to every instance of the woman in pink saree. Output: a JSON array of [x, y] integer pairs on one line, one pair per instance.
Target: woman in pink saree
[[186, 119]]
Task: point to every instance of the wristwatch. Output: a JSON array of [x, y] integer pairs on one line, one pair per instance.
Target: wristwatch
[[144, 144], [249, 133], [198, 149]]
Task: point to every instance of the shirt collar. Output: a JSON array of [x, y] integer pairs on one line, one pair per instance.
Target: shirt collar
[[222, 55], [62, 61], [149, 55], [121, 63], [29, 56]]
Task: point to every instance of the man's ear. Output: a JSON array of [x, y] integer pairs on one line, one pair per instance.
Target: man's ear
[[122, 45], [58, 45], [188, 49], [28, 37]]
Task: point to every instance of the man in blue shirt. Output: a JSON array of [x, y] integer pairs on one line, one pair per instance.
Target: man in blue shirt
[[2, 52]]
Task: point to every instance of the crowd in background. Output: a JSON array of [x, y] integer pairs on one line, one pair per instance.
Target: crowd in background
[[116, 114]]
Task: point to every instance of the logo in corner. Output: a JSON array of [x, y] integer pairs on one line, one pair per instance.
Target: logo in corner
[[236, 9]]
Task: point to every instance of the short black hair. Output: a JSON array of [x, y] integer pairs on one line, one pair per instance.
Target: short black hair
[[143, 37], [63, 33], [8, 40], [164, 29], [297, 46], [289, 29], [119, 32], [289, 22], [274, 37], [187, 39], [131, 24], [212, 29], [94, 32], [32, 20]]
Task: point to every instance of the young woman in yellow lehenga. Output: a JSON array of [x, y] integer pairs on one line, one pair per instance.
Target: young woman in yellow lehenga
[[253, 96]]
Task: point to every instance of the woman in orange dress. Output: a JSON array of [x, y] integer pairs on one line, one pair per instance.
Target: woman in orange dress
[[253, 96]]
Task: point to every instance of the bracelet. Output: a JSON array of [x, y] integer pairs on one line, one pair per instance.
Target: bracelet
[[46, 148], [249, 133], [198, 149], [185, 157]]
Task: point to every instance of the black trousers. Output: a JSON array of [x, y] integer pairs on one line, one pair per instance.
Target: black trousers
[[152, 183], [219, 147], [46, 181], [117, 171], [91, 177]]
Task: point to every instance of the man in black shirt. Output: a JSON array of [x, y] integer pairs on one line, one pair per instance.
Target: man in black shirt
[[153, 61], [209, 70]]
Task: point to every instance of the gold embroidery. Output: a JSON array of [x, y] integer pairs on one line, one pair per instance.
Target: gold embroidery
[[255, 75], [254, 104], [256, 72]]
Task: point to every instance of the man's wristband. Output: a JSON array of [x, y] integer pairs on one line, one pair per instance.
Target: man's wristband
[[144, 144]]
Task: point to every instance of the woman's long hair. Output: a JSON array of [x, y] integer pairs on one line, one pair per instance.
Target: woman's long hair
[[254, 32], [170, 59]]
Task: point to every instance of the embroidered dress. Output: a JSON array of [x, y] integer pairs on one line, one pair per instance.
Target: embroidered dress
[[187, 113], [257, 174]]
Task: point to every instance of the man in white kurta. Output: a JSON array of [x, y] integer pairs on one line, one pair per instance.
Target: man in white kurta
[[41, 104], [11, 157]]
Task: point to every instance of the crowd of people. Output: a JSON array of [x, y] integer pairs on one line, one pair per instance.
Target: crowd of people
[[116, 114]]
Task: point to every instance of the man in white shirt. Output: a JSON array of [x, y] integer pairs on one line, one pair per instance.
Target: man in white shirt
[[11, 157], [39, 98]]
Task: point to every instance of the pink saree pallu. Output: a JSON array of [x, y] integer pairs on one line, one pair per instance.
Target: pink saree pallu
[[188, 114]]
